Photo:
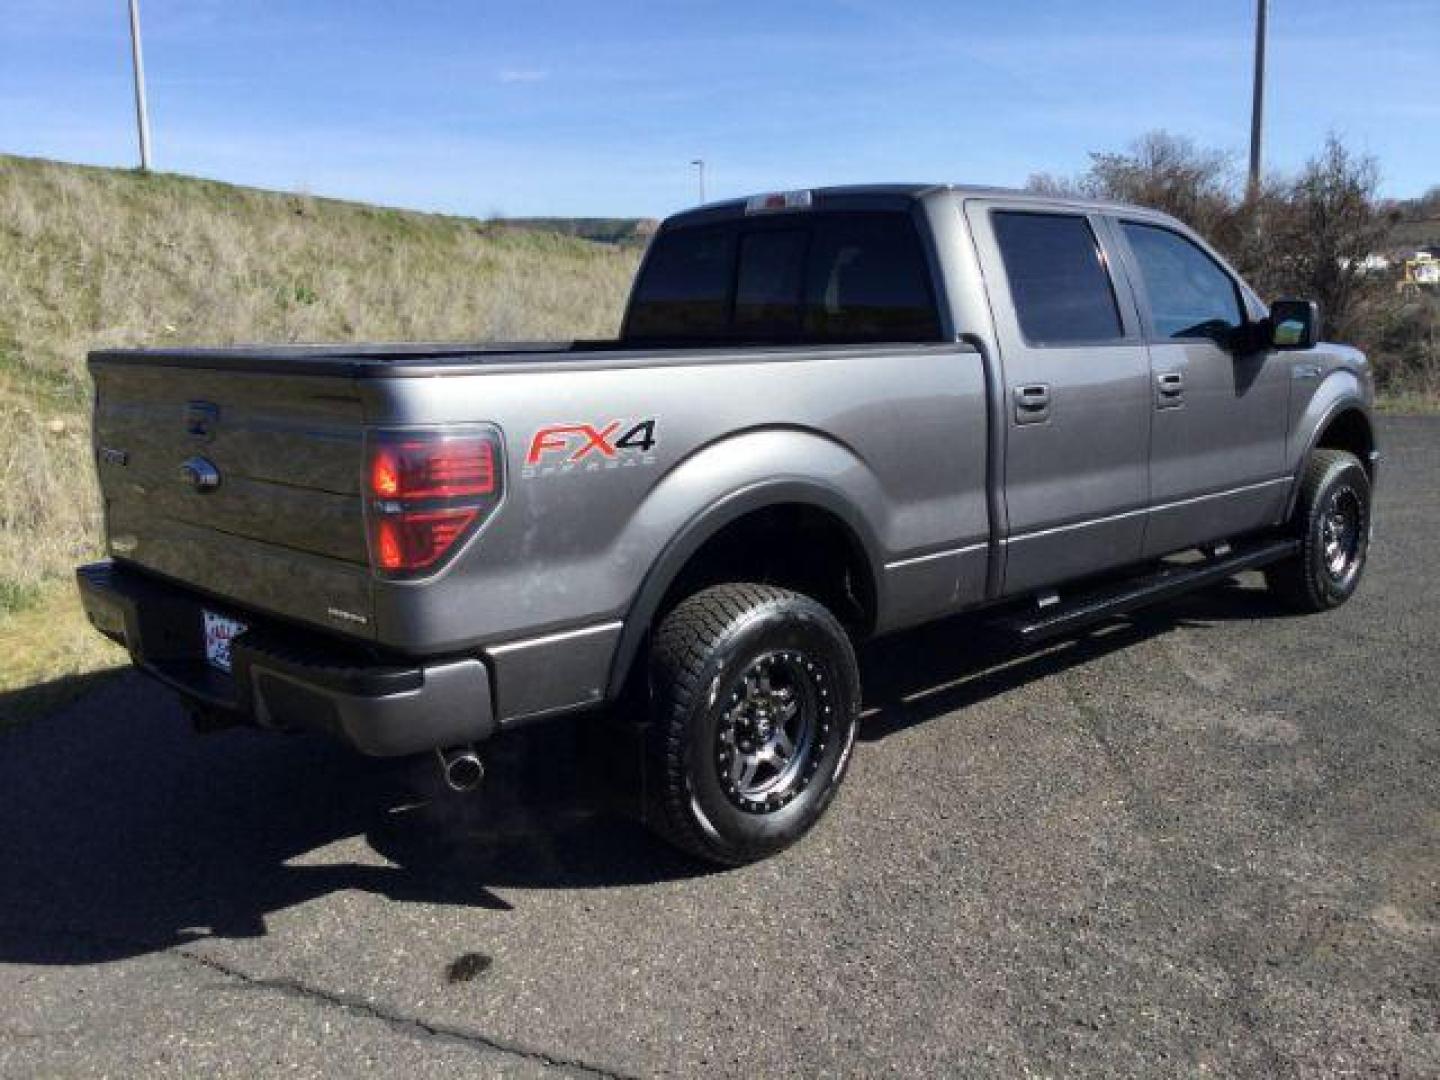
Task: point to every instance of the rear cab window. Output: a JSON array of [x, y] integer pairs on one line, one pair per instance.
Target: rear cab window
[[767, 284], [685, 287], [822, 277]]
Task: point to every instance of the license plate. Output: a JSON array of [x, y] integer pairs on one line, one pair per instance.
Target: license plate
[[219, 632]]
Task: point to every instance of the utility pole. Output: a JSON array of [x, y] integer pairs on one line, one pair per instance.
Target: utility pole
[[699, 164], [1257, 100], [142, 116]]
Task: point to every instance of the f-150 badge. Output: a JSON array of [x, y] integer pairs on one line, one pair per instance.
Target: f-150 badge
[[558, 449]]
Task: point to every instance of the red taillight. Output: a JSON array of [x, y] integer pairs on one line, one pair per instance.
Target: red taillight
[[428, 490], [444, 468], [416, 539], [384, 474]]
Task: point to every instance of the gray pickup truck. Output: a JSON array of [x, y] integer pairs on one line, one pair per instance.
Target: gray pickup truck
[[830, 415]]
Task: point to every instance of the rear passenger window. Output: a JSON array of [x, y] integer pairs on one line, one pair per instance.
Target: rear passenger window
[[1190, 295], [685, 289], [1058, 280]]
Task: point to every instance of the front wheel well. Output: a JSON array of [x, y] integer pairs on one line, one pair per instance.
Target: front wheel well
[[1349, 431]]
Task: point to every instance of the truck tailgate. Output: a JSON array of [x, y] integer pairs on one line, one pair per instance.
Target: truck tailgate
[[282, 530]]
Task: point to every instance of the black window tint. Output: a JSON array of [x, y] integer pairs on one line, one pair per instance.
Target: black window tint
[[867, 280], [767, 284], [684, 291], [1058, 279], [826, 277], [1189, 294]]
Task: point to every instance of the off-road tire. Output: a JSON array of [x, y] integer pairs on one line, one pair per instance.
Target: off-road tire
[[1325, 573], [708, 660]]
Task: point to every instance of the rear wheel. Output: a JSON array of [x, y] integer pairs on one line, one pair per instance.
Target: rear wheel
[[755, 700], [1332, 517]]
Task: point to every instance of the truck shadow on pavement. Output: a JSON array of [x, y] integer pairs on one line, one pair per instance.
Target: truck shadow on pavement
[[936, 669], [122, 833]]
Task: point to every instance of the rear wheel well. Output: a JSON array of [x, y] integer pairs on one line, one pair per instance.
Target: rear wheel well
[[792, 546], [1349, 431]]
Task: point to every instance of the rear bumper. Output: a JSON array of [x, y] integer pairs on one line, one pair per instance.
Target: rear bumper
[[287, 679]]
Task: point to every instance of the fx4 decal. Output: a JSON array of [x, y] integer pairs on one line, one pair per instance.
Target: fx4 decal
[[558, 449]]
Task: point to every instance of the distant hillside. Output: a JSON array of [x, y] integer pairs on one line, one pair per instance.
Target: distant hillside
[[635, 232], [1416, 222], [1416, 232], [104, 257]]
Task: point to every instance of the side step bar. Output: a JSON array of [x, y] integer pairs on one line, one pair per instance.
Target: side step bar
[[1055, 619]]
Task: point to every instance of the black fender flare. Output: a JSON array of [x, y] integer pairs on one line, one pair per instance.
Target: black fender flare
[[1341, 405], [693, 535]]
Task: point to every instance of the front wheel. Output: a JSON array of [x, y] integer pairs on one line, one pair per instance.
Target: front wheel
[[1332, 517], [755, 698]]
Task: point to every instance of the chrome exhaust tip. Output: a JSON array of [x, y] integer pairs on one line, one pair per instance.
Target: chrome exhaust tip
[[461, 767]]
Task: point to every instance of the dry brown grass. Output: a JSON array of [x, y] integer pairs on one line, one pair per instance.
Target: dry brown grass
[[1409, 403], [102, 257]]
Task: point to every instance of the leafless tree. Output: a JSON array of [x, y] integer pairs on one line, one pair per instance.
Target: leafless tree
[[1173, 174], [1332, 222], [1305, 235]]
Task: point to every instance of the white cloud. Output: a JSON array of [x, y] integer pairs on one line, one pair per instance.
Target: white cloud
[[522, 75]]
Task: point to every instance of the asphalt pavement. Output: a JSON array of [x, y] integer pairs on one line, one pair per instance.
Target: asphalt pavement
[[1205, 840]]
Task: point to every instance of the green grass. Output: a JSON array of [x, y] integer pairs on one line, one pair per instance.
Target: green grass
[[16, 596], [51, 654], [51, 390]]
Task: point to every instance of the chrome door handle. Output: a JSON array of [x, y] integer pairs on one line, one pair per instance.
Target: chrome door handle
[[1170, 389], [1032, 403]]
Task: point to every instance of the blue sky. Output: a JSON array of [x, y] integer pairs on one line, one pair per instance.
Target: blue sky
[[597, 107]]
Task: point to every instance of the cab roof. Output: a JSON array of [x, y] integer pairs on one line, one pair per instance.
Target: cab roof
[[898, 197]]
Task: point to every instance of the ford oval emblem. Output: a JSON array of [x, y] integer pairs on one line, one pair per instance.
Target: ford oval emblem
[[200, 473]]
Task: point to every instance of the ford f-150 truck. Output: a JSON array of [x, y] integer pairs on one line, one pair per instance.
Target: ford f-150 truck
[[829, 415]]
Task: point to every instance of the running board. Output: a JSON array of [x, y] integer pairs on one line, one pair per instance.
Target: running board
[[1055, 617]]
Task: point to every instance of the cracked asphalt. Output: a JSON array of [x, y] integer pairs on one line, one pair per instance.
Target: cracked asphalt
[[1203, 840]]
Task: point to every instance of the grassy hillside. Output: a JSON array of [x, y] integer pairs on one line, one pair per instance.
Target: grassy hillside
[[102, 257], [1415, 223]]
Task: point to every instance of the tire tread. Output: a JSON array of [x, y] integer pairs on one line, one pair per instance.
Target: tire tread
[[1290, 580], [680, 654]]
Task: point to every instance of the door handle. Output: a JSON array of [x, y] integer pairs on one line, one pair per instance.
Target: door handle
[[1032, 403], [1170, 389]]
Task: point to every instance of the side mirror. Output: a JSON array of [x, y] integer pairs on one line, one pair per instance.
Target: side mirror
[[1294, 324]]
